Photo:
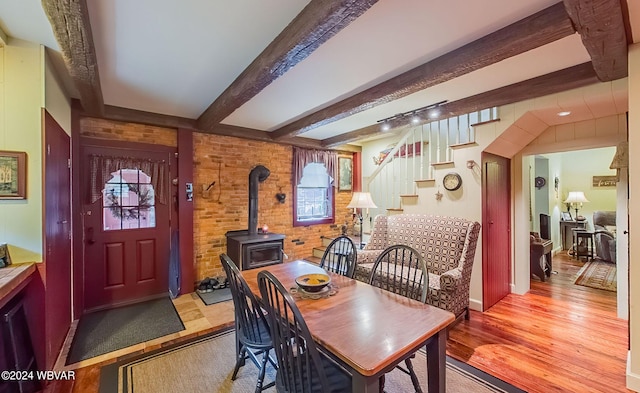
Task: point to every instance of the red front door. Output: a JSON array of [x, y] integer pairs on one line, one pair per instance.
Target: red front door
[[496, 229], [126, 226]]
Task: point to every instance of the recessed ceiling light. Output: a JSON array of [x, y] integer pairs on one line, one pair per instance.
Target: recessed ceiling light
[[564, 113]]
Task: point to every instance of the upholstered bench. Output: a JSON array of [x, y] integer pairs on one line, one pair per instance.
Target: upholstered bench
[[447, 244]]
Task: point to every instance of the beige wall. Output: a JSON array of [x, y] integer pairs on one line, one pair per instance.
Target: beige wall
[[56, 100], [21, 100]]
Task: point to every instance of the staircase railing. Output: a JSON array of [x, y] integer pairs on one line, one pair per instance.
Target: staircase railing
[[415, 156]]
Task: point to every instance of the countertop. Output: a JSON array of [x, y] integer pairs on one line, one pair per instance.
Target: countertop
[[13, 278]]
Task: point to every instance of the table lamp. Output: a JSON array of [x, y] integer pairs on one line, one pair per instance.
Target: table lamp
[[361, 200], [576, 198]]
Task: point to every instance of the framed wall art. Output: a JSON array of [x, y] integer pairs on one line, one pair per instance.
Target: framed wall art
[[13, 175], [345, 173]]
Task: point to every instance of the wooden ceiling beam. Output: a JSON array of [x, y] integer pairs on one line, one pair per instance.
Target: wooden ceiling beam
[[127, 115], [601, 26], [314, 25], [541, 28], [555, 82], [3, 38], [70, 22]]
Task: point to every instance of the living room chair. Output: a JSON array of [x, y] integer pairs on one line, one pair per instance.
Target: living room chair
[[252, 329], [302, 368], [401, 269], [340, 256], [604, 225]]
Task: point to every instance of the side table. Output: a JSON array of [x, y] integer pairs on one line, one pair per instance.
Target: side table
[[584, 241]]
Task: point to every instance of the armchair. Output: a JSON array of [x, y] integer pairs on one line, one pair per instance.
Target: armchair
[[604, 225]]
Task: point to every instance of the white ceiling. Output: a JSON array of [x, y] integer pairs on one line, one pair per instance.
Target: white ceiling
[[175, 58]]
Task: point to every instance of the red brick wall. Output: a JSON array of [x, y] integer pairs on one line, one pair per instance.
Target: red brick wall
[[228, 161], [129, 132]]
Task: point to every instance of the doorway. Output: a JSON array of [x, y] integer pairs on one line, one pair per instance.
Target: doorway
[[585, 172]]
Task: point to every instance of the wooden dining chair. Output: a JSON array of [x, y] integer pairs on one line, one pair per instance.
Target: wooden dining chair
[[302, 368], [402, 270], [252, 329], [340, 256]]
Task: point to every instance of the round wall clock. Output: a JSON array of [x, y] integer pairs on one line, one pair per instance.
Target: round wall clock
[[452, 181]]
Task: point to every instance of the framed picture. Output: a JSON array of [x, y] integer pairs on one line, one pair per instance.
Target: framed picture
[[345, 173], [566, 216], [13, 175]]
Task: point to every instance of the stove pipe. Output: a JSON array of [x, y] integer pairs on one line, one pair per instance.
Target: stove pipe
[[257, 175]]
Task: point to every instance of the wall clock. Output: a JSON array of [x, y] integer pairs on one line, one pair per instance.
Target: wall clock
[[540, 182], [452, 181]]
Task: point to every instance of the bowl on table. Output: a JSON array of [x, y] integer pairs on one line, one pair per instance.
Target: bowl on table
[[314, 282]]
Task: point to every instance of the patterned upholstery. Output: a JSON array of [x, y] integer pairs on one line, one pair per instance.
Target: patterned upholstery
[[447, 244]]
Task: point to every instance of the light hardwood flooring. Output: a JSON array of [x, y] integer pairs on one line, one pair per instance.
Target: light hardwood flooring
[[559, 337]]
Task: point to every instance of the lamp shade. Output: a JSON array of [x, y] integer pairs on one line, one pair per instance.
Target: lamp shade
[[575, 197], [361, 200]]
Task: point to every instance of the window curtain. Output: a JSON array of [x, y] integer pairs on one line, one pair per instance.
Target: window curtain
[[302, 157], [101, 168]]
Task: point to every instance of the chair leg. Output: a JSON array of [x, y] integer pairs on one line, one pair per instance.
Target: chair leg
[[467, 314], [239, 362], [412, 374], [263, 369]]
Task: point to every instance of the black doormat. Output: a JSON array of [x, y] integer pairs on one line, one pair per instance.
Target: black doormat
[[216, 296], [109, 330]]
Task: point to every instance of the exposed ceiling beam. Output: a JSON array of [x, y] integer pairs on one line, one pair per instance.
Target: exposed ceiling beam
[[314, 25], [601, 26], [70, 22], [3, 38], [127, 115], [555, 82], [541, 28]]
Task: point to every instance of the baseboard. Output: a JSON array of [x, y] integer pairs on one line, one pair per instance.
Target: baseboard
[[475, 305], [633, 380]]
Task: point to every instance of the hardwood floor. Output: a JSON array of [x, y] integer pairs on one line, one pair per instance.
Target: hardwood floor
[[559, 337]]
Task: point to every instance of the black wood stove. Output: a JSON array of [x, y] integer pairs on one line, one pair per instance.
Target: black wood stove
[[251, 249]]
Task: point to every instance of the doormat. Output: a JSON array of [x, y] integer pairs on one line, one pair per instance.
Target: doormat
[[187, 367], [216, 296], [599, 275], [106, 331]]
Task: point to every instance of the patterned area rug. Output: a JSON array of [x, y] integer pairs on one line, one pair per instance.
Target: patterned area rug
[[599, 275], [205, 365]]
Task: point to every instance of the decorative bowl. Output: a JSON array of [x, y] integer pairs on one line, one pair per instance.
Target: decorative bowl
[[314, 282]]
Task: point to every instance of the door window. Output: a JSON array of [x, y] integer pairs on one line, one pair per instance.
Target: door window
[[128, 201]]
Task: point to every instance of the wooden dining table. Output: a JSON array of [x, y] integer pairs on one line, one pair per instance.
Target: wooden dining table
[[367, 329]]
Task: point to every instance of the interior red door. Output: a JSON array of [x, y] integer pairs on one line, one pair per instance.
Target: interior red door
[[126, 230], [496, 229]]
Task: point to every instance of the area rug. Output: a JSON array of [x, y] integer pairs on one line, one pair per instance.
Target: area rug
[[107, 331], [216, 296], [599, 275], [206, 365]]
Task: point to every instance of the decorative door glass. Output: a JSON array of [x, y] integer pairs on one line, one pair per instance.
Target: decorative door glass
[[128, 201]]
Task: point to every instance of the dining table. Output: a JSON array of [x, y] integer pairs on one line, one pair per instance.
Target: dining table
[[367, 329]]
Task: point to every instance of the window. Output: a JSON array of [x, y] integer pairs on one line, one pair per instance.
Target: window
[[128, 201], [314, 197]]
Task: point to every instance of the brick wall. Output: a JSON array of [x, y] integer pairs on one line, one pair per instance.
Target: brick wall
[[228, 161], [224, 207], [128, 132]]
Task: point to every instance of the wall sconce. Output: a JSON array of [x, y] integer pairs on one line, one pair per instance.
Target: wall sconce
[[205, 189], [471, 164]]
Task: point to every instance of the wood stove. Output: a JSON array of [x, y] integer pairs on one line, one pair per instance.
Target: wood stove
[[251, 249]]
